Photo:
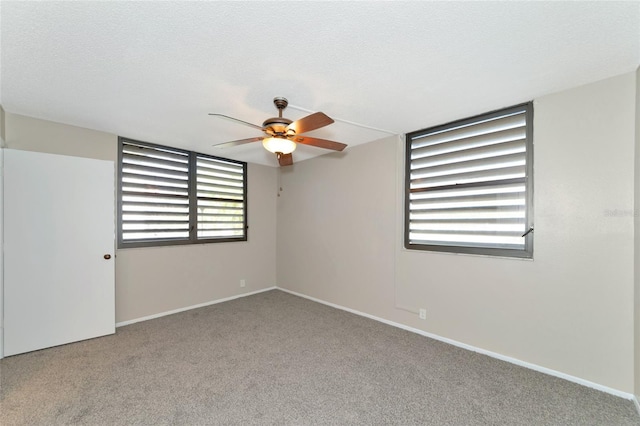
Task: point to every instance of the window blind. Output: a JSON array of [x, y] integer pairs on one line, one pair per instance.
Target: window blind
[[220, 198], [154, 193], [469, 185], [171, 196]]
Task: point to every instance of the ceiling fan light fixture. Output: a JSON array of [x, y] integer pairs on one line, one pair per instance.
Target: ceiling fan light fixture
[[281, 145]]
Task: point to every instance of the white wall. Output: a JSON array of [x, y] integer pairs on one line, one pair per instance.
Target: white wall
[[2, 137], [32, 134], [637, 240], [570, 309], [150, 281], [1, 232], [336, 227]]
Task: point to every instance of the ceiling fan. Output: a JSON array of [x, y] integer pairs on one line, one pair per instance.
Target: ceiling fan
[[282, 134]]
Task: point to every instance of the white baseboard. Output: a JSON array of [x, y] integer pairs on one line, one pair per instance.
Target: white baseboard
[[515, 361], [187, 308]]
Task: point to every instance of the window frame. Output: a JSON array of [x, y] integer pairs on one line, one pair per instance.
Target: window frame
[[527, 251], [192, 197]]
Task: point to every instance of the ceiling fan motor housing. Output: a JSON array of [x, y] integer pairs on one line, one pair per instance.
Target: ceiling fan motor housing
[[276, 126]]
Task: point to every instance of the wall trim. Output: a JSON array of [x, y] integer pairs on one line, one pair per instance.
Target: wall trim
[[496, 355], [188, 308]]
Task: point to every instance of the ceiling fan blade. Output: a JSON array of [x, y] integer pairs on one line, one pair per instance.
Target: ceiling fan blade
[[320, 143], [310, 122], [285, 159], [255, 126], [235, 143]]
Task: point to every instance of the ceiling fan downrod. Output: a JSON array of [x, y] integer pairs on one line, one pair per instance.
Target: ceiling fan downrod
[[280, 103]]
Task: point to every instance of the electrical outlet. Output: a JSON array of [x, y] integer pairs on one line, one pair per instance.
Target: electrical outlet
[[243, 283], [423, 313]]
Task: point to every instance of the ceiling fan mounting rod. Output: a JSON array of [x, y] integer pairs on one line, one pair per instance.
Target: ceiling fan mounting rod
[[280, 103]]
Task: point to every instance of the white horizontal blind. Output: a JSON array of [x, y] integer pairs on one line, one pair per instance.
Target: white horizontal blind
[[171, 196], [468, 185], [220, 187], [154, 193]]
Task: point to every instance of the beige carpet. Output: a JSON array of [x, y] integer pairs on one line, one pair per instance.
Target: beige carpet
[[274, 358]]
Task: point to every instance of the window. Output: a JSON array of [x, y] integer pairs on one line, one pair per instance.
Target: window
[[469, 185], [170, 196]]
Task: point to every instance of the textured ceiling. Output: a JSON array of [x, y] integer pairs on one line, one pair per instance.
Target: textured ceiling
[[154, 70]]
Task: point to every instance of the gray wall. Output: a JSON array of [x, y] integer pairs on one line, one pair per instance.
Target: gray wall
[[570, 309], [150, 281]]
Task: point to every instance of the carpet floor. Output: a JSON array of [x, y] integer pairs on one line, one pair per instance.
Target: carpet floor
[[277, 359]]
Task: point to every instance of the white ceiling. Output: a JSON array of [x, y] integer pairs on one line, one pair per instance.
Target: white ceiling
[[154, 70]]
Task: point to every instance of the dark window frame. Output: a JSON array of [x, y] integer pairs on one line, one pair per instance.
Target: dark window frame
[[527, 251], [192, 195]]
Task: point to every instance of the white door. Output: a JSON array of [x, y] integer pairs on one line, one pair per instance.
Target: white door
[[59, 236]]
